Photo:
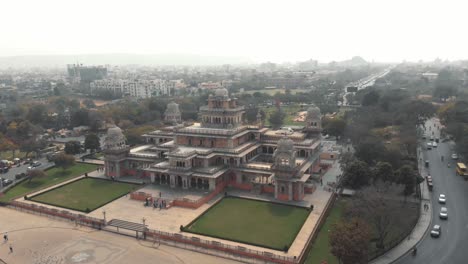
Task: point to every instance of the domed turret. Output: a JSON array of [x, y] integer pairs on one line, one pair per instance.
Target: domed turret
[[313, 121], [313, 112], [221, 92], [285, 144], [285, 156], [115, 139], [172, 113]]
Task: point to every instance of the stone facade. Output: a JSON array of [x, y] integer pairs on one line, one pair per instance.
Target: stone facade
[[220, 151]]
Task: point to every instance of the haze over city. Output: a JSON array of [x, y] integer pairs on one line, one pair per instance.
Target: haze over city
[[228, 132], [250, 31]]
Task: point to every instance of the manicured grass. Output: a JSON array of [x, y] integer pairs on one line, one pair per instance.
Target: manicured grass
[[254, 222], [54, 176], [320, 250], [86, 194], [291, 112]]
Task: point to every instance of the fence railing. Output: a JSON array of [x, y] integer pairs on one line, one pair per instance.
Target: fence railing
[[217, 246]]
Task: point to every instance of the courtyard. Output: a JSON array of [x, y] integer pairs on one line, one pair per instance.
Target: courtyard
[[259, 223], [53, 176], [85, 195]]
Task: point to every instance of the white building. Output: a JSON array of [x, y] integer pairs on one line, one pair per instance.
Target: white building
[[135, 88]]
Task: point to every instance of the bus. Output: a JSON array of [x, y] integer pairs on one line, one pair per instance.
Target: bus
[[461, 170]]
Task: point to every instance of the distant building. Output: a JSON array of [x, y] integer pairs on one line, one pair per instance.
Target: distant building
[[135, 88], [77, 73], [431, 76]]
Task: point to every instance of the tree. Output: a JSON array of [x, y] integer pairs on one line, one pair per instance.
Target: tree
[[334, 126], [64, 161], [72, 147], [356, 174], [380, 205], [349, 241], [408, 177], [36, 173], [384, 171], [92, 142], [277, 118], [89, 103], [370, 150], [371, 98]]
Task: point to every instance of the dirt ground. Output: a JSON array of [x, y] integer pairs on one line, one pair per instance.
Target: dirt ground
[[42, 240]]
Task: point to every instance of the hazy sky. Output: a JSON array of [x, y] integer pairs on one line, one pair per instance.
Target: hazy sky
[[261, 30]]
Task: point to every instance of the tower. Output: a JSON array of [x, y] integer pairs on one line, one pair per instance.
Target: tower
[[172, 114], [115, 152], [221, 111], [313, 121]]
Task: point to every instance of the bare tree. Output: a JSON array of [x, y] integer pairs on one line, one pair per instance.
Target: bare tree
[[380, 204]]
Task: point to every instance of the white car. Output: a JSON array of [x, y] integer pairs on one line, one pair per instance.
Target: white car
[[434, 144], [436, 230], [443, 213], [454, 156], [429, 145], [442, 198]]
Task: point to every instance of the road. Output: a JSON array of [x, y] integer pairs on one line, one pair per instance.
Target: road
[[365, 82], [451, 247], [23, 168]]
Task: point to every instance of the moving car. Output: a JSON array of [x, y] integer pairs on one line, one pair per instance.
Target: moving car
[[434, 144], [429, 145], [36, 164], [442, 198], [454, 156], [436, 230], [443, 213]]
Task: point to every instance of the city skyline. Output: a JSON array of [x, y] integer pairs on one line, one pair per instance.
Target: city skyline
[[259, 31]]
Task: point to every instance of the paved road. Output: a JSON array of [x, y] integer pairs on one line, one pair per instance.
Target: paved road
[[365, 82], [451, 247]]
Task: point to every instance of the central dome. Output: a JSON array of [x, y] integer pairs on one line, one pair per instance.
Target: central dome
[[222, 92]]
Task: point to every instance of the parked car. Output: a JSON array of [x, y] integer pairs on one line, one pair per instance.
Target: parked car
[[454, 156], [7, 182], [429, 145], [436, 230], [443, 213], [434, 144], [442, 198], [36, 164], [20, 175]]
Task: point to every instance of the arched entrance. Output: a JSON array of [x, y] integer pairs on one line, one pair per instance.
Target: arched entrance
[[179, 181]]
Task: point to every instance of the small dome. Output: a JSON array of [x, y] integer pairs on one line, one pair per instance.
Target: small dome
[[114, 138], [285, 144], [172, 108], [115, 133], [313, 112], [222, 92]]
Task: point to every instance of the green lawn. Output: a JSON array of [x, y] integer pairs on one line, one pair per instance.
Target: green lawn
[[54, 176], [86, 193], [320, 249], [255, 222], [291, 112]]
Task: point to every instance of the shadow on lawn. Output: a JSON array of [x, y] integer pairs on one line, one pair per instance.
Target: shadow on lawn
[[279, 210]]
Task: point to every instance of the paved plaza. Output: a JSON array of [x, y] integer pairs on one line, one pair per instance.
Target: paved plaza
[[39, 240], [170, 220]]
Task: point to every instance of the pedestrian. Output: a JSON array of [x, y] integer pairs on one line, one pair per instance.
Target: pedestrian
[[11, 249], [5, 237], [160, 194]]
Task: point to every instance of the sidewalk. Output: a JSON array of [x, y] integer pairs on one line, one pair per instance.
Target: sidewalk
[[419, 230]]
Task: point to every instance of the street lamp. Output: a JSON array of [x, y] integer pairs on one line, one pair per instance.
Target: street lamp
[[104, 214], [144, 221]]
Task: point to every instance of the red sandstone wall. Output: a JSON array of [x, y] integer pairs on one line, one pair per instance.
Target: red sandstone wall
[[283, 197], [268, 189]]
